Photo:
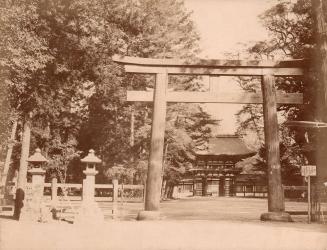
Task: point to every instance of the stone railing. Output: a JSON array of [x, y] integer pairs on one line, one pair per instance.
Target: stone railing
[[103, 192]]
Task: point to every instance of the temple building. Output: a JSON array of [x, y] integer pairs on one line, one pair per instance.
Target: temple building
[[214, 172]]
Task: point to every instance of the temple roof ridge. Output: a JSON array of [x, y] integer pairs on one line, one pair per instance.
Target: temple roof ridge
[[227, 145]]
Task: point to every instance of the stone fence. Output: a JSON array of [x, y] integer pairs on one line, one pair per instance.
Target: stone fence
[[102, 192]]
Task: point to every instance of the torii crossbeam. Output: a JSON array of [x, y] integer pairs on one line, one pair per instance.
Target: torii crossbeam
[[267, 70]]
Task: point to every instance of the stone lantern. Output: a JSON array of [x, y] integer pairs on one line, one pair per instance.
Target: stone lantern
[[34, 192], [89, 211], [37, 159], [89, 182]]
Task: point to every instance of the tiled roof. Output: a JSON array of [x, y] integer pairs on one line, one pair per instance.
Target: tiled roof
[[230, 145]]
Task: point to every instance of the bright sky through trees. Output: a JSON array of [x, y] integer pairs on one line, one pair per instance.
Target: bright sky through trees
[[224, 25]]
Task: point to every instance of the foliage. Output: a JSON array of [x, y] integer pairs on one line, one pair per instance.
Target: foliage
[[187, 130], [6, 120], [148, 33], [56, 65], [290, 24], [124, 175], [291, 36], [42, 57]]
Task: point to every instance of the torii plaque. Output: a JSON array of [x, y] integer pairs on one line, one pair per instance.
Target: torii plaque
[[267, 70]]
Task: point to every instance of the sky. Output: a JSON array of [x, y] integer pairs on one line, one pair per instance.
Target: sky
[[225, 24], [224, 27]]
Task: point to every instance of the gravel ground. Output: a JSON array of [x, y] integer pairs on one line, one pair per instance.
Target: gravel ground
[[180, 235], [191, 223]]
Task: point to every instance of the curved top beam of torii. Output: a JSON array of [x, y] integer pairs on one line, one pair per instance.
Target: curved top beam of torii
[[213, 68], [293, 63]]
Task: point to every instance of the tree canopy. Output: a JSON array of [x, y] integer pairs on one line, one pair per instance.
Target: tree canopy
[[56, 68], [292, 35]]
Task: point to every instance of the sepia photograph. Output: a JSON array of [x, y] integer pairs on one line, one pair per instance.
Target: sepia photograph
[[163, 124]]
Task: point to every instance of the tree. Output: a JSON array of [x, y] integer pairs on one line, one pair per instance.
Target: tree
[[8, 136], [187, 131], [291, 30], [320, 10], [61, 81], [147, 33], [46, 50], [22, 54]]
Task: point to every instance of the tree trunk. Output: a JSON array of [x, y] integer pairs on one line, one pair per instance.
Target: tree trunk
[[132, 139], [8, 156], [166, 192], [22, 174], [163, 188], [171, 191], [320, 13]]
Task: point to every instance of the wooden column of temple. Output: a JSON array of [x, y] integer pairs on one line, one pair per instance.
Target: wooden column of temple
[[204, 185]]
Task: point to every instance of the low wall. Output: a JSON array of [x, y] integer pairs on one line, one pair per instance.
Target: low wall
[[103, 192]]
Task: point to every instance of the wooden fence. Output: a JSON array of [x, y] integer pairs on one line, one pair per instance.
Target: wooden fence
[[250, 190], [290, 192]]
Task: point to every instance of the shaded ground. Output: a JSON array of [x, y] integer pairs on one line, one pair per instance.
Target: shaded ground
[[192, 223]]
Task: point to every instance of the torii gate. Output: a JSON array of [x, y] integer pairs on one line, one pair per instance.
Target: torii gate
[[267, 70]]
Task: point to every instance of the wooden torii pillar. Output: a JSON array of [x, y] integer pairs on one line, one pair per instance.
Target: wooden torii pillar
[[267, 70]]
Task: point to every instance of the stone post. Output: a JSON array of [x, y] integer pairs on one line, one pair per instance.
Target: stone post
[[115, 188], [54, 190]]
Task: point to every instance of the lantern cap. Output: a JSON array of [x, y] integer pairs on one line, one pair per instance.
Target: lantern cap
[[37, 157], [91, 158]]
